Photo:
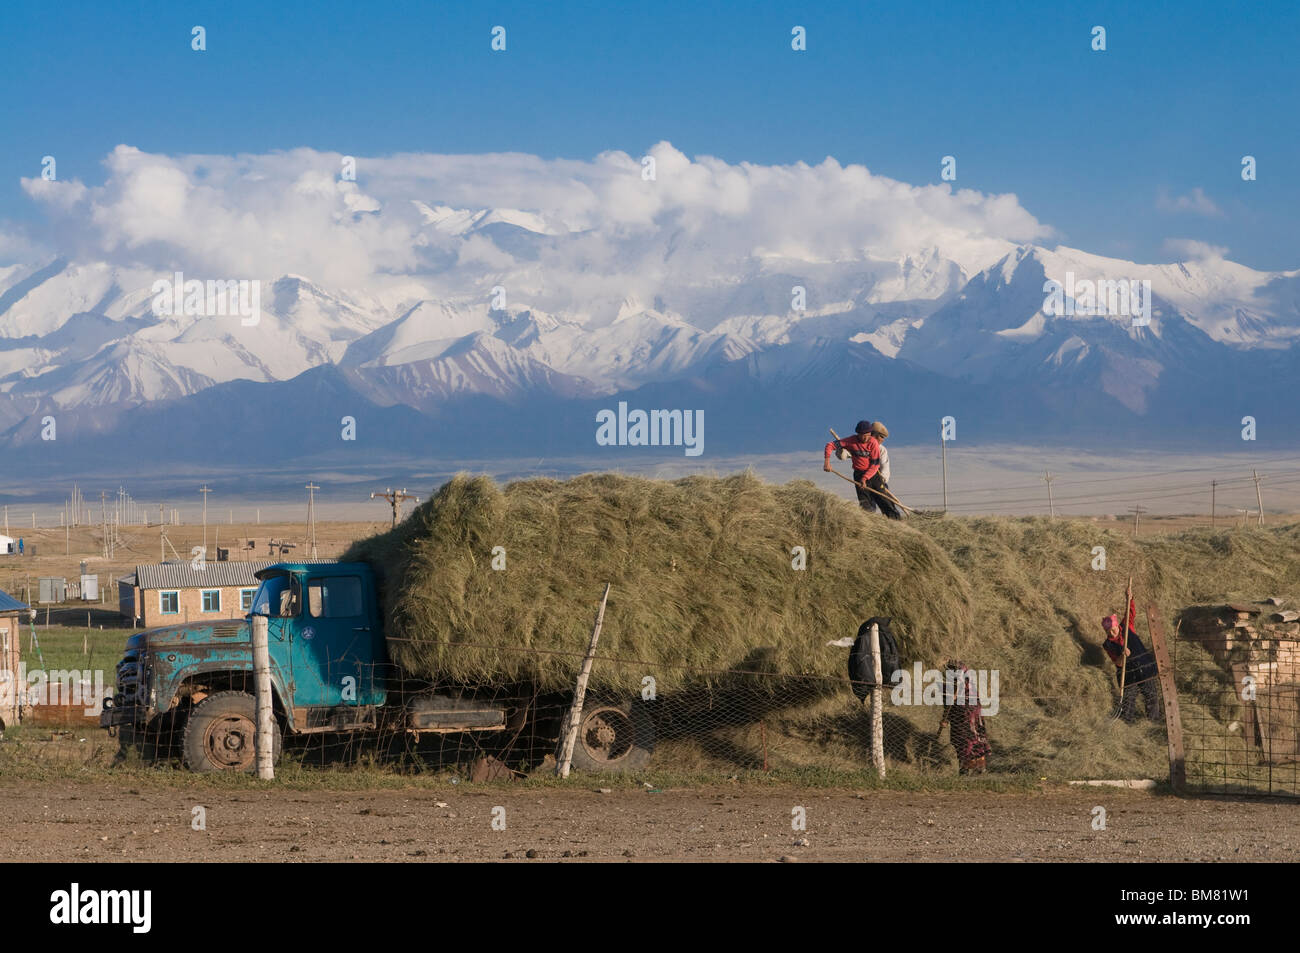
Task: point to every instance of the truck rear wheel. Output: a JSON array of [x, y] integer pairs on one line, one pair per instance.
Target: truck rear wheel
[[614, 738], [221, 732]]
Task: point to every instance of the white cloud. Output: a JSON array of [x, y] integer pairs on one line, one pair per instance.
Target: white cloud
[[1189, 249], [1196, 201], [612, 233]]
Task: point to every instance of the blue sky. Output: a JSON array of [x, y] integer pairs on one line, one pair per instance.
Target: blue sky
[[1108, 148]]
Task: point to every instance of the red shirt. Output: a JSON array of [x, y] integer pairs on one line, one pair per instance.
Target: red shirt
[[865, 450]]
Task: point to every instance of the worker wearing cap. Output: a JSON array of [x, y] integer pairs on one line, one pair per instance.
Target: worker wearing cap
[[880, 432], [864, 449], [1140, 674]]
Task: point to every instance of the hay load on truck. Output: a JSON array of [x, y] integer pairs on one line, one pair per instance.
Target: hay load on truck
[[473, 615], [188, 690]]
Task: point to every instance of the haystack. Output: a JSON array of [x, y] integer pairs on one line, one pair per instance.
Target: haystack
[[708, 575]]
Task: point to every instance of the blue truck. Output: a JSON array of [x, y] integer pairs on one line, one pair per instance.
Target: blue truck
[[187, 690]]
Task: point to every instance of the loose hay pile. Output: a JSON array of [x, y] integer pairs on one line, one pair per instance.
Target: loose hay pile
[[702, 571], [704, 584]]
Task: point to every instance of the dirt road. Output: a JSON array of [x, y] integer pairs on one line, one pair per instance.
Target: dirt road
[[100, 821]]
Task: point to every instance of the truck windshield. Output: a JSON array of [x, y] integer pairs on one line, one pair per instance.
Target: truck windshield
[[275, 597]]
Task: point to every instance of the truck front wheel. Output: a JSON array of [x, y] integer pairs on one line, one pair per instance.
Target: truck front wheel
[[614, 738], [220, 734]]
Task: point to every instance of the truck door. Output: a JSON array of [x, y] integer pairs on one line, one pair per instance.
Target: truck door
[[333, 648]]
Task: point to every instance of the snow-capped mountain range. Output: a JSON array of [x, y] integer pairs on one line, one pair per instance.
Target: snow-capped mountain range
[[905, 338]]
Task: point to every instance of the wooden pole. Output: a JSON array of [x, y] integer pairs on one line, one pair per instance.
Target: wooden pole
[[580, 692], [877, 699], [1258, 498], [265, 738], [1213, 486], [1123, 665], [1051, 504], [1169, 694]]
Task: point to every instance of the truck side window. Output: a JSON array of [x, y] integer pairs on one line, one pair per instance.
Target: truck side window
[[335, 598]]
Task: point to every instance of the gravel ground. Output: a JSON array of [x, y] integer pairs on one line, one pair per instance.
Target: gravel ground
[[101, 821]]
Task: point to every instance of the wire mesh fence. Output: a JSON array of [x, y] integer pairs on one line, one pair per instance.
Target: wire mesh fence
[[935, 719], [1239, 688]]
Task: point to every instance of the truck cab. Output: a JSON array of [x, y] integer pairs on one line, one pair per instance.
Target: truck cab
[[189, 688]]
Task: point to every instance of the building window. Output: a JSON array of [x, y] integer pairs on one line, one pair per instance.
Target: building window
[[246, 599], [169, 603], [211, 600]]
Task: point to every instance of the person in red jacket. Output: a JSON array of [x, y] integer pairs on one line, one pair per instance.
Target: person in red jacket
[[864, 449]]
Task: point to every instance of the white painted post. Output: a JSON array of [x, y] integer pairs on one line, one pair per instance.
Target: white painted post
[[580, 692], [877, 701], [265, 740]]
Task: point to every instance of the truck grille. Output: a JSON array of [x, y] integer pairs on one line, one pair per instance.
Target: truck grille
[[129, 683]]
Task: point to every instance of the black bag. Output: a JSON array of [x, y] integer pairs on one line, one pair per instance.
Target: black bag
[[861, 674]]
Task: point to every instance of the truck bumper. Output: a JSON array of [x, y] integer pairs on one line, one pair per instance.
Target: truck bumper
[[116, 714]]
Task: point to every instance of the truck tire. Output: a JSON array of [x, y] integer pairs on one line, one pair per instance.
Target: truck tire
[[614, 737], [220, 734]]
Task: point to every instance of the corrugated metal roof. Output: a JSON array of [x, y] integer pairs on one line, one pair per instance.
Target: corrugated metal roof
[[214, 575], [8, 603], [185, 576]]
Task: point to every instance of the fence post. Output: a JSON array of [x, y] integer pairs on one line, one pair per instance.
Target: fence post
[[579, 693], [265, 737], [1169, 695], [877, 699]]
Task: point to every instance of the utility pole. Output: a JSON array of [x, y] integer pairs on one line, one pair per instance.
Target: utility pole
[[1258, 498], [943, 446], [311, 489], [1051, 505], [162, 536], [204, 489], [1136, 511], [395, 499], [103, 518], [1213, 485]]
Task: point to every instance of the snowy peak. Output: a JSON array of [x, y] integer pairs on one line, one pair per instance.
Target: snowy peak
[[454, 221]]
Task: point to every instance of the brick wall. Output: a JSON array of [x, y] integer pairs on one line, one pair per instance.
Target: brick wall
[[189, 606]]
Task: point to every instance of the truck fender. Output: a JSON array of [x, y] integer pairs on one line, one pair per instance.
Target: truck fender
[[278, 688]]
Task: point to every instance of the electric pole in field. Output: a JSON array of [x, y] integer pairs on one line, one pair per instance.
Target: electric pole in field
[[395, 499], [1051, 504], [311, 489], [204, 489], [1258, 498], [103, 519], [1213, 486], [943, 448], [1136, 511]]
